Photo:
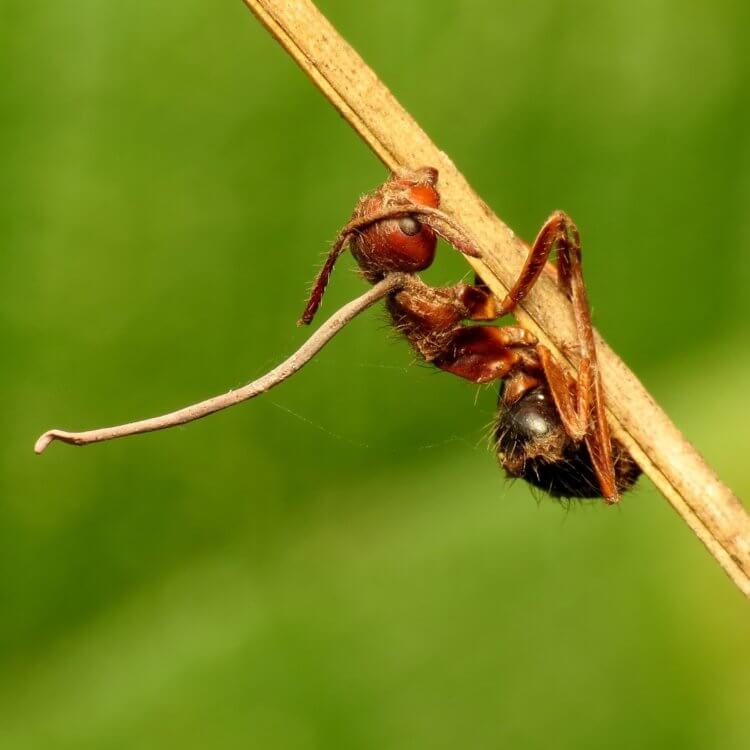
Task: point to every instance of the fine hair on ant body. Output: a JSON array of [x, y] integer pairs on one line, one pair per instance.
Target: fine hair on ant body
[[551, 430]]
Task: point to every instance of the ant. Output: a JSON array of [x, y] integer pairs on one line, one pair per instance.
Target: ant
[[551, 430]]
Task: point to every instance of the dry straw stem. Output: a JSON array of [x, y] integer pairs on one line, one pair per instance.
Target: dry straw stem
[[686, 481], [340, 319]]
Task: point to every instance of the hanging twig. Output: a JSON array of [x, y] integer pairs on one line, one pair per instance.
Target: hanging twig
[[301, 357], [675, 467]]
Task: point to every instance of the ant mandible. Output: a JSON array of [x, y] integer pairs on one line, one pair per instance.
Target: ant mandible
[[551, 430]]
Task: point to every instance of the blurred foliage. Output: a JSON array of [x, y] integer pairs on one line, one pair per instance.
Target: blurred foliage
[[340, 564]]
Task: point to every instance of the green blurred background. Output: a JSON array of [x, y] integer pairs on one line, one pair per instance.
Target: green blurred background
[[340, 564]]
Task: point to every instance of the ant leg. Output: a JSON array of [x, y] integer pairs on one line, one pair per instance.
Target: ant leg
[[549, 234], [589, 392], [599, 443], [571, 399], [582, 414]]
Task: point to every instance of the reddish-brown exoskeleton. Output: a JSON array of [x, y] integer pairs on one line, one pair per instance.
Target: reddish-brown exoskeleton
[[551, 429]]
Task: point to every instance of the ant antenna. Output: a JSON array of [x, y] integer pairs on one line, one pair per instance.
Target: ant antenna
[[323, 277]]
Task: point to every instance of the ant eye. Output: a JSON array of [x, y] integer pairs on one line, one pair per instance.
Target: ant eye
[[409, 225]]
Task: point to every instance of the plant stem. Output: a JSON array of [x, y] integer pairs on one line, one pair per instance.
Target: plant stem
[[301, 357]]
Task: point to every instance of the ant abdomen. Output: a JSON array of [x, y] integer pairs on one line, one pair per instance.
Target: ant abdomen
[[533, 445]]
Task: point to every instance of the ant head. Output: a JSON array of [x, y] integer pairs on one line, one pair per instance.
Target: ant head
[[404, 243], [393, 229]]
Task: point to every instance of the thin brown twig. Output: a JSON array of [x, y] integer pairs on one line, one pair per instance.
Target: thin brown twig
[[676, 468], [295, 362]]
